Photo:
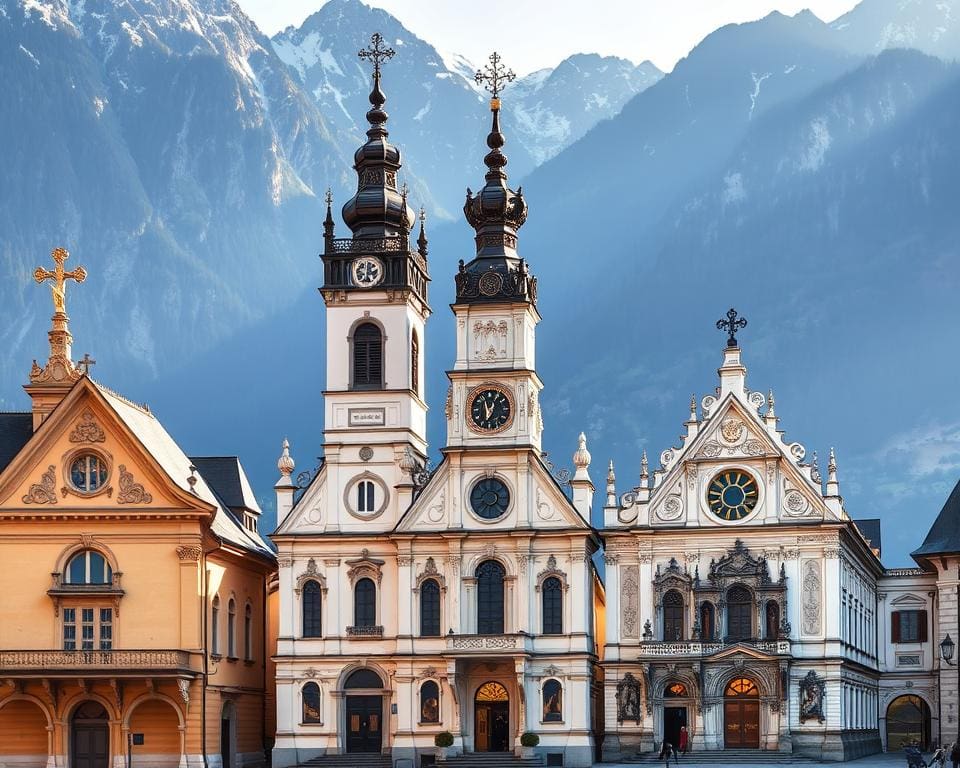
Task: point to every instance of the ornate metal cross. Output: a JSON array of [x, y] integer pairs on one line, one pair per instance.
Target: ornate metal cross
[[58, 278], [376, 53], [494, 75], [86, 363], [731, 325]]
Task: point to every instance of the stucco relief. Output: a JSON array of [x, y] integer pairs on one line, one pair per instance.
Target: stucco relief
[[671, 508], [490, 340], [811, 597], [795, 504], [629, 596]]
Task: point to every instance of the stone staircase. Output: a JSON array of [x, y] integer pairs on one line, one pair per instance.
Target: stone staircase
[[350, 760], [491, 760], [723, 757]]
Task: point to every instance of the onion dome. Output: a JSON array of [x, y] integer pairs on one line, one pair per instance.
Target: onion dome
[[378, 209], [496, 212]]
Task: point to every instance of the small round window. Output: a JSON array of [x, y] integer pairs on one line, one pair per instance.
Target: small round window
[[88, 472], [490, 498]]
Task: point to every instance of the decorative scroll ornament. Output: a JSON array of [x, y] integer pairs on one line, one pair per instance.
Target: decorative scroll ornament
[[87, 431], [131, 492], [490, 338], [628, 699], [630, 592], [43, 492], [311, 574], [188, 552], [812, 690], [811, 597], [671, 509]]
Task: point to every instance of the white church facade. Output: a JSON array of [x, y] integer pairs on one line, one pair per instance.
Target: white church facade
[[736, 602], [416, 602]]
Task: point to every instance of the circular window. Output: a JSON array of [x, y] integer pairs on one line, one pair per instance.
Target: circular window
[[88, 472], [732, 495], [490, 498]]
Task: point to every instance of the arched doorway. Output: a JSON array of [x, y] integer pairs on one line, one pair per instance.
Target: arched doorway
[[492, 718], [364, 711], [741, 714], [23, 732], [908, 723], [90, 736], [228, 734], [674, 711]]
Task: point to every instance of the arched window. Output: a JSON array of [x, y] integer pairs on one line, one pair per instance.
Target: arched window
[[429, 702], [708, 621], [673, 616], [552, 701], [741, 686], [311, 703], [675, 691], [310, 596], [415, 363], [490, 576], [552, 590], [739, 613], [430, 609], [367, 357], [366, 497], [363, 678], [248, 632], [88, 567], [232, 628], [365, 604], [215, 625], [773, 620]]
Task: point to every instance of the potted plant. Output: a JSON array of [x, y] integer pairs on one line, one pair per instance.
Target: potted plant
[[442, 741], [528, 741]]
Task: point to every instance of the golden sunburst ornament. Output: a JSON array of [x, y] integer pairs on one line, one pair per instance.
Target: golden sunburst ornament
[[732, 495]]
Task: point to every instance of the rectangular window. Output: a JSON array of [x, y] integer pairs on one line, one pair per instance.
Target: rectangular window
[[908, 626], [86, 629], [106, 629], [69, 629]]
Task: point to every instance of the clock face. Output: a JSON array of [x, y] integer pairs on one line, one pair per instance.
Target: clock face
[[367, 272], [490, 498], [491, 409], [732, 495]]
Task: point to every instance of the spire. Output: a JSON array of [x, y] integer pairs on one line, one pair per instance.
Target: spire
[[377, 210], [328, 224], [59, 368], [611, 486], [644, 470], [422, 239], [496, 212], [833, 484]]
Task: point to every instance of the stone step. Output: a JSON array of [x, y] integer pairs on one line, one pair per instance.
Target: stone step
[[723, 757]]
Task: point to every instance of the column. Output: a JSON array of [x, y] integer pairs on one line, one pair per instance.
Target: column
[[468, 608], [580, 594], [613, 600], [407, 603]]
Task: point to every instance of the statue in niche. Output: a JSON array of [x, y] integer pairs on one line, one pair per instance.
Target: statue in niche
[[628, 699], [812, 689]]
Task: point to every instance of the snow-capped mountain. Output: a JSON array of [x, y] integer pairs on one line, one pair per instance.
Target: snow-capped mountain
[[437, 112], [931, 26]]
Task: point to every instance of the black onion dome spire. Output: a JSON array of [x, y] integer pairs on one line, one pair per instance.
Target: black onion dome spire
[[377, 209], [496, 212]]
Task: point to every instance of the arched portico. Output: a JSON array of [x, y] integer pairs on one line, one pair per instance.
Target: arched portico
[[26, 731]]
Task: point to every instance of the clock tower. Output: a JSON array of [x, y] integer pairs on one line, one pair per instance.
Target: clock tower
[[375, 290], [493, 400]]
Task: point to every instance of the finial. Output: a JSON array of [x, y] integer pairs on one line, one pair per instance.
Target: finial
[[59, 367], [422, 239], [611, 486], [378, 54], [644, 468], [328, 198], [328, 225], [833, 483], [494, 76], [285, 463], [581, 457], [731, 325], [815, 468], [192, 480], [611, 476], [832, 463], [85, 363], [771, 402], [693, 407]]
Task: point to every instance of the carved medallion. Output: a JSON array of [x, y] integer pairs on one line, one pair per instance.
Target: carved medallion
[[87, 431], [795, 503], [490, 283], [731, 430], [671, 509]]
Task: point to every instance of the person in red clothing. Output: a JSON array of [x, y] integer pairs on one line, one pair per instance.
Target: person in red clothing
[[684, 744]]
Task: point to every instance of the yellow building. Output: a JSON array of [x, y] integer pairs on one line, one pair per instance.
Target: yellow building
[[133, 583]]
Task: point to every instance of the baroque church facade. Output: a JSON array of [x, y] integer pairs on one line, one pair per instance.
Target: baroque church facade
[[416, 601]]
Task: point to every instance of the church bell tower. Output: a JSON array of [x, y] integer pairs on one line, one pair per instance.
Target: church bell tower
[[493, 400], [375, 291]]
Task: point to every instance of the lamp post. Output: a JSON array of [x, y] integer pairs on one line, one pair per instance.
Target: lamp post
[[946, 653]]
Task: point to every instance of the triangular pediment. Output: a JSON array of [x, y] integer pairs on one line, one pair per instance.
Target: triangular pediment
[[442, 505], [309, 513], [99, 454], [743, 651], [909, 601]]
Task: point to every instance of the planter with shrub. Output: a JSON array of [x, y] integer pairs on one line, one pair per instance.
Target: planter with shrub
[[443, 741], [528, 741]]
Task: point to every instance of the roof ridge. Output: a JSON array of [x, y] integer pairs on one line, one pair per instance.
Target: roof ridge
[[143, 407]]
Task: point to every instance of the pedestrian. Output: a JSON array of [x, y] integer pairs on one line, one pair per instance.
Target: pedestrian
[[684, 740], [955, 754], [939, 758], [665, 751]]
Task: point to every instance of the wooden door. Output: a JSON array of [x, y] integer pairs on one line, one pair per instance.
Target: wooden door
[[741, 723], [483, 728], [364, 732], [91, 745]]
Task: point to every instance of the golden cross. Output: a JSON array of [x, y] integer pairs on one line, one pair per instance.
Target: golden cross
[[58, 278]]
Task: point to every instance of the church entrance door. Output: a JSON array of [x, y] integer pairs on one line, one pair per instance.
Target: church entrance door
[[364, 733], [674, 718], [492, 718], [90, 736], [741, 715]]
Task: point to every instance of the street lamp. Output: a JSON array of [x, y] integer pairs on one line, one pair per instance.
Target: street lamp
[[946, 650]]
